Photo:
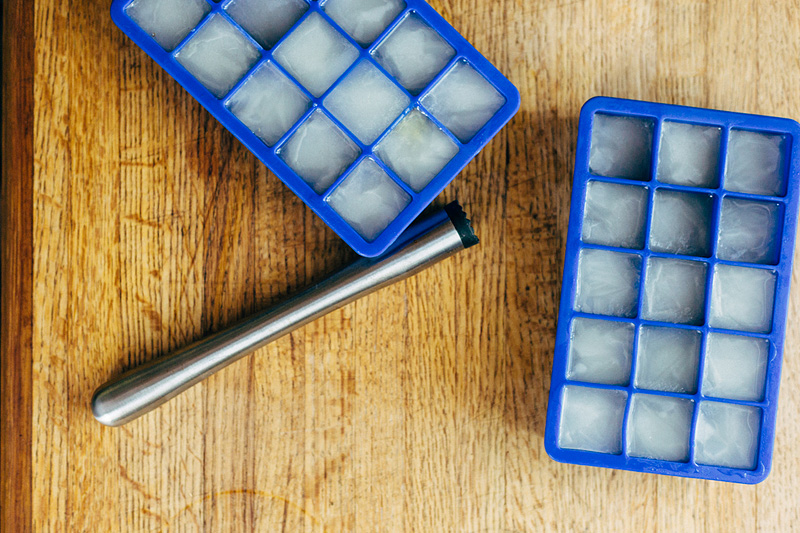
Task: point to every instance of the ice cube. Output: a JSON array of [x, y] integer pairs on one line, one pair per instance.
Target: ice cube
[[735, 367], [591, 419], [614, 214], [167, 21], [608, 283], [621, 147], [681, 223], [727, 435], [266, 20], [416, 150], [218, 55], [463, 101], [668, 359], [414, 53], [368, 199], [366, 102], [755, 163], [742, 298], [674, 291], [364, 20], [659, 427], [689, 155], [318, 151], [749, 231], [315, 54], [600, 351], [268, 103]]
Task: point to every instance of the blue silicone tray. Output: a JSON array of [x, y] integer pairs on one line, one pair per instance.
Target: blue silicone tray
[[467, 148], [781, 267]]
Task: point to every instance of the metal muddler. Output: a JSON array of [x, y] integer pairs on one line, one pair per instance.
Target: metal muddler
[[142, 389]]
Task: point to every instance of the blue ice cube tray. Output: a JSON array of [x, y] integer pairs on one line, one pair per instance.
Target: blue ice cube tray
[[467, 146], [764, 409]]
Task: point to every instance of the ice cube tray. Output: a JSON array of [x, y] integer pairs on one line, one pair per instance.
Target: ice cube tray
[[269, 124], [695, 392]]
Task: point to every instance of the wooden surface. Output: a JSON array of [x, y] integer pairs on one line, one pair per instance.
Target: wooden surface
[[419, 408]]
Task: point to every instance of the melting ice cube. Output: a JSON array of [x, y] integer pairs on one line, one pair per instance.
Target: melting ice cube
[[167, 21], [742, 298], [266, 20], [755, 163], [364, 20], [591, 419], [749, 231], [674, 291], [681, 223], [689, 154], [621, 147], [735, 367], [668, 359], [727, 435], [659, 427], [614, 214], [608, 283], [600, 351]]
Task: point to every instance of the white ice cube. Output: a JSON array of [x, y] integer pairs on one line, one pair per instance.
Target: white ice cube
[[463, 101], [681, 223], [668, 359], [621, 147], [414, 53], [368, 199], [614, 215], [318, 151], [727, 435], [742, 298], [755, 163], [167, 21], [315, 54], [364, 20], [674, 291], [366, 102], [266, 20], [659, 427], [600, 351], [735, 367], [591, 419], [218, 55], [689, 155], [749, 231], [608, 283]]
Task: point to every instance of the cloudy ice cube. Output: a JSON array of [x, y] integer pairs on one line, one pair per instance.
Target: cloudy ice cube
[[315, 54], [674, 291], [668, 359], [266, 20], [591, 419], [727, 435], [368, 199], [218, 55], [689, 155], [364, 20], [463, 101], [319, 152], [414, 53], [167, 21], [608, 283], [755, 163], [621, 147], [749, 231], [681, 223], [742, 298], [659, 427], [614, 215], [366, 102], [600, 351], [735, 367]]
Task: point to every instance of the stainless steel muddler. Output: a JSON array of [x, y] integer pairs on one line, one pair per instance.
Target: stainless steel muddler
[[142, 389]]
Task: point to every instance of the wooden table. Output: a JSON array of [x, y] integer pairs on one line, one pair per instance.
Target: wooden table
[[134, 223]]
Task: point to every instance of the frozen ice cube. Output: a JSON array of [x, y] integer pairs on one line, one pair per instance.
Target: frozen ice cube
[[364, 20], [318, 151], [268, 103], [659, 427], [266, 20], [600, 351], [621, 147], [681, 223], [463, 101], [735, 367], [614, 215], [608, 283], [366, 102], [674, 291], [749, 231], [315, 54], [414, 53], [416, 150], [218, 55], [742, 298], [591, 419], [755, 163], [689, 155], [368, 199], [727, 435], [167, 21], [668, 359]]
